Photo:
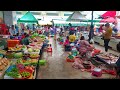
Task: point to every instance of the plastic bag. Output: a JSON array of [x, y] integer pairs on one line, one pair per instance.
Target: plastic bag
[[92, 41]]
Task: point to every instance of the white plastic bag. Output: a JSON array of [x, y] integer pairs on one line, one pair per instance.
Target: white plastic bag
[[92, 41]]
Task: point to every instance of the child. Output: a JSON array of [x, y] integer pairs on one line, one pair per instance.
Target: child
[[67, 44], [46, 41]]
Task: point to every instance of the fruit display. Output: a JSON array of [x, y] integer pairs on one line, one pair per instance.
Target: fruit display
[[20, 71], [10, 55], [25, 74], [2, 52], [27, 62], [34, 55], [24, 47], [34, 49], [24, 59], [14, 72], [17, 48], [30, 50]]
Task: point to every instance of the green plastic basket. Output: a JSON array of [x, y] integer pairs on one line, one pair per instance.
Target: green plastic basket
[[42, 62]]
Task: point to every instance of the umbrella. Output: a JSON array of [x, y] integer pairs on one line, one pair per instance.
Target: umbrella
[[109, 20], [28, 18], [109, 14]]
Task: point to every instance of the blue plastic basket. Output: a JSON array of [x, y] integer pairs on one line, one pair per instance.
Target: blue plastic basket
[[10, 68]]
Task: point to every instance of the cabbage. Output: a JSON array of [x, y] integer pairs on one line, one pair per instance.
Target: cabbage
[[30, 50], [18, 55]]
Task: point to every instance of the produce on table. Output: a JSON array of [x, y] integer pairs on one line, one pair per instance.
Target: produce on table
[[17, 48], [14, 74], [20, 66], [3, 63], [27, 62], [18, 55], [24, 47], [30, 50], [42, 36], [34, 55], [36, 50], [31, 68], [20, 71], [2, 52], [25, 74], [10, 55]]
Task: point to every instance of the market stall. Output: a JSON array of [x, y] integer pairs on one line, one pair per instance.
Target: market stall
[[21, 61], [113, 41], [107, 58]]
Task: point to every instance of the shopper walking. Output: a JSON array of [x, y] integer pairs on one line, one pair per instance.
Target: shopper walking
[[107, 36], [17, 29], [55, 32], [91, 33]]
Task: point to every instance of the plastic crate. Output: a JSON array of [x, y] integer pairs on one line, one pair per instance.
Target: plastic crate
[[13, 43], [70, 60]]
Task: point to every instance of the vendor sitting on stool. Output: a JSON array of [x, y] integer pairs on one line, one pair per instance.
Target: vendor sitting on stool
[[72, 38]]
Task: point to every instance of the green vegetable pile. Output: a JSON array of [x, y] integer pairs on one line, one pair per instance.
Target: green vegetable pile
[[25, 74], [14, 73]]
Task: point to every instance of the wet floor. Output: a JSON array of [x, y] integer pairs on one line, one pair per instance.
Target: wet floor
[[57, 68]]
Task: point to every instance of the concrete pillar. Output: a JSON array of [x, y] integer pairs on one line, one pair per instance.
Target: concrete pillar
[[8, 17], [1, 14], [14, 17]]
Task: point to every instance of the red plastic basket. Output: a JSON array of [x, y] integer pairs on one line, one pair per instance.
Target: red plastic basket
[[70, 60], [13, 43], [49, 49]]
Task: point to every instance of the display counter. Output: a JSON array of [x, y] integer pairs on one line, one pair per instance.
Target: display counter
[[113, 42], [25, 60]]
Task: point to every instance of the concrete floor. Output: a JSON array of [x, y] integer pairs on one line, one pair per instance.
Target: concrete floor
[[58, 68]]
